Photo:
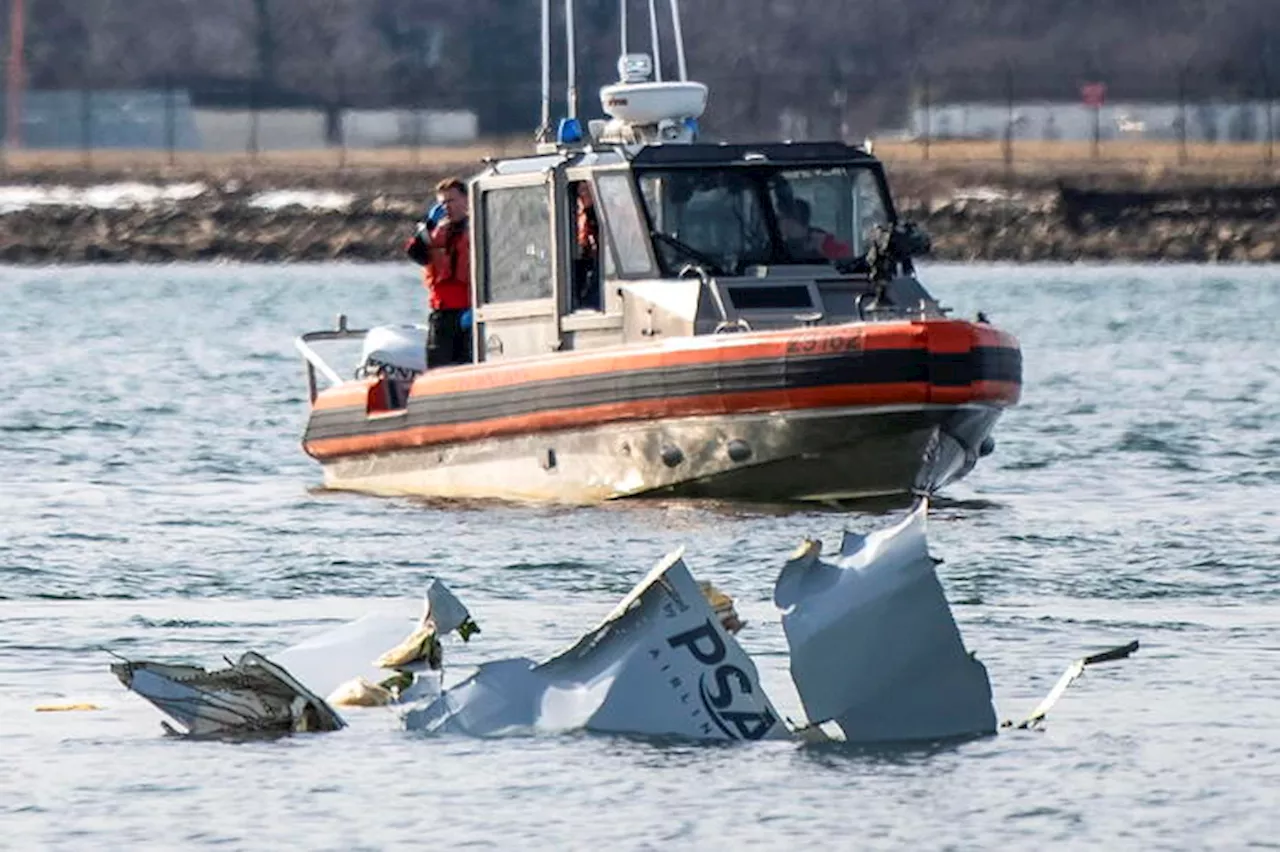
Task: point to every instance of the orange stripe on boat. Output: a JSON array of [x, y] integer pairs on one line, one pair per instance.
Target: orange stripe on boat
[[747, 402], [704, 349]]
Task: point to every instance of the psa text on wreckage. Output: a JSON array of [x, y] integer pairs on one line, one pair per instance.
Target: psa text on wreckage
[[729, 684]]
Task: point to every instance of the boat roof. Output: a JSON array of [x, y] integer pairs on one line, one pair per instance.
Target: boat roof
[[696, 155], [773, 153]]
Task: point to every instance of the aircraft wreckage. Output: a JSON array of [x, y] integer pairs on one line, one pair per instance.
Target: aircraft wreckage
[[875, 655]]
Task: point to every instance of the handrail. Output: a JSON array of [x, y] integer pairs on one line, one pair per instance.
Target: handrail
[[705, 279], [313, 359]]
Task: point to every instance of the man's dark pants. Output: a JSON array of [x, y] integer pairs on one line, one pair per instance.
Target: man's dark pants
[[447, 341]]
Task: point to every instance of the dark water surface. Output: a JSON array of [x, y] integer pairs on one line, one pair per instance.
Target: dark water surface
[[154, 501]]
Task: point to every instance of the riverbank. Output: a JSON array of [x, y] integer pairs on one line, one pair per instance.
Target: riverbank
[[277, 213]]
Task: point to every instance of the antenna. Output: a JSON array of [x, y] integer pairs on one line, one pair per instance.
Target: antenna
[[641, 107], [656, 45], [622, 16], [571, 95], [679, 39], [545, 128]]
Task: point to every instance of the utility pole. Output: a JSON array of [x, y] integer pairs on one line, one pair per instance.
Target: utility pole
[[16, 74], [266, 43]]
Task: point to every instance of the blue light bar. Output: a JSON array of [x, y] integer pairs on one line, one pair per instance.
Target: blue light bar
[[569, 132]]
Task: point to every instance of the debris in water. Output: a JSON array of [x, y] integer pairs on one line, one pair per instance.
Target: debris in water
[[258, 695], [1069, 677], [875, 655], [662, 663], [253, 696], [874, 647]]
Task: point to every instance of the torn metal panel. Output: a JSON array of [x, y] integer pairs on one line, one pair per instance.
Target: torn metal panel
[[328, 660], [447, 612], [874, 647], [254, 696], [350, 663], [661, 663], [378, 646]]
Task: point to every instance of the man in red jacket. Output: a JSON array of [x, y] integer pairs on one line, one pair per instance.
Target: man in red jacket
[[806, 242], [443, 248]]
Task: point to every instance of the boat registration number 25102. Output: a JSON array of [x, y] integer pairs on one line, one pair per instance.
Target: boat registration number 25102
[[822, 345]]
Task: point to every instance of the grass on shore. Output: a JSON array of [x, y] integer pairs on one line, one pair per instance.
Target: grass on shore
[[1066, 157]]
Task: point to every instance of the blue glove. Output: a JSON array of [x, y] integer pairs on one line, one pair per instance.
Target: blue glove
[[434, 214], [465, 320]]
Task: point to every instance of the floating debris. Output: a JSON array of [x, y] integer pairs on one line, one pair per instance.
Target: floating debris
[[349, 664], [662, 663], [1069, 677], [874, 647], [253, 696], [723, 606], [67, 708], [875, 655]]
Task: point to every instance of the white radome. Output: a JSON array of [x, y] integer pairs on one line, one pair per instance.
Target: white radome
[[648, 103]]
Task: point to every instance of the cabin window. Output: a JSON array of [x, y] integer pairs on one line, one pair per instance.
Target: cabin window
[[868, 210], [725, 219], [839, 208], [629, 239], [712, 218], [517, 242]]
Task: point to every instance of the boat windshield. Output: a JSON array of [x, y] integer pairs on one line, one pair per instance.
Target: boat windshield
[[726, 219]]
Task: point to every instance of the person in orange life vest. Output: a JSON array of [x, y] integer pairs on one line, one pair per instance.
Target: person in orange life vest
[[586, 268], [804, 241], [443, 248]]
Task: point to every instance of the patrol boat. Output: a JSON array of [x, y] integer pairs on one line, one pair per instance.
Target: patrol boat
[[750, 327]]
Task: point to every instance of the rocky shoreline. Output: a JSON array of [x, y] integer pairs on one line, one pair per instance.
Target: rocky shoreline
[[971, 214]]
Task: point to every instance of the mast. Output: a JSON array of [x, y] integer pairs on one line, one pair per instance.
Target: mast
[[545, 128], [678, 35], [622, 16], [571, 95], [653, 37]]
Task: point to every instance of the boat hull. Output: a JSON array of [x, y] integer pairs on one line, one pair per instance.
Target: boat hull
[[834, 454], [830, 413]]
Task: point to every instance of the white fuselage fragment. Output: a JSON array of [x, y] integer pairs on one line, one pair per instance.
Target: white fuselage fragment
[[660, 664], [874, 646]]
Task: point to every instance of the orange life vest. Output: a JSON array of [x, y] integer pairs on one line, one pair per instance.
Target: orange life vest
[[447, 273]]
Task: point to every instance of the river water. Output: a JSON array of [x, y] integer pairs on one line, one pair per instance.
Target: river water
[[155, 503]]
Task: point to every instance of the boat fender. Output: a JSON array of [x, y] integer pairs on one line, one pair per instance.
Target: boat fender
[[987, 447], [739, 450], [671, 455]]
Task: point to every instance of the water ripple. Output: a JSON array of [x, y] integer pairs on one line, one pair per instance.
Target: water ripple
[[163, 508]]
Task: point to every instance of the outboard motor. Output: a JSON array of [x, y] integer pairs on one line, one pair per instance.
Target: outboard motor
[[395, 351], [396, 355]]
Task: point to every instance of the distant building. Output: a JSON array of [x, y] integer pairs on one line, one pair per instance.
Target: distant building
[[107, 119], [1241, 121], [143, 120]]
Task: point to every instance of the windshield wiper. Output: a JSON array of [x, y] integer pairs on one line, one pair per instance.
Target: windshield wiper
[[852, 265], [689, 251]]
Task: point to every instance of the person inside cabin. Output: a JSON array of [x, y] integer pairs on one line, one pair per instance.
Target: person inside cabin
[[442, 246], [803, 240], [586, 251]]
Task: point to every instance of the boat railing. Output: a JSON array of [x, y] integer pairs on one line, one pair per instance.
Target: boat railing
[[315, 361]]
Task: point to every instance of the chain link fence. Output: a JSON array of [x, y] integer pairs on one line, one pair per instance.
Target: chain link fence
[[1012, 116]]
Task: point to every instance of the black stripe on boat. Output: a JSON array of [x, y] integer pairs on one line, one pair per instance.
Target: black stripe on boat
[[873, 367]]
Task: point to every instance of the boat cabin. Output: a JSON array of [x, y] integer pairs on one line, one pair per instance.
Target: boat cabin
[[582, 246]]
